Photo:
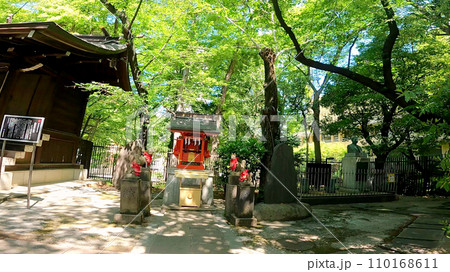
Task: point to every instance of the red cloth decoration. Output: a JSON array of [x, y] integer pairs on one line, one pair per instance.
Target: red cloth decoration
[[233, 164], [137, 169], [148, 158], [244, 175]]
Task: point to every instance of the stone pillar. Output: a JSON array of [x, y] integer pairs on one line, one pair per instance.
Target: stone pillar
[[208, 189], [239, 206], [245, 201], [230, 199], [131, 201], [172, 188], [146, 191], [130, 192]]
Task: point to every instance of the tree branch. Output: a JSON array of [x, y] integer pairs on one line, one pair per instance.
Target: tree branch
[[228, 75], [135, 15], [388, 89], [241, 29], [350, 51], [131, 52], [389, 45], [159, 52], [366, 81]]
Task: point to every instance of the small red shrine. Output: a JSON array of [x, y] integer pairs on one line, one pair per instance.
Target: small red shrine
[[191, 151], [191, 146]]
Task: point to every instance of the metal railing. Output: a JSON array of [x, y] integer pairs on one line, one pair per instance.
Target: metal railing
[[398, 175], [103, 160]]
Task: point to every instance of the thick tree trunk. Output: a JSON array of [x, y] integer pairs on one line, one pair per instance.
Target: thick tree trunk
[[215, 140], [270, 129]]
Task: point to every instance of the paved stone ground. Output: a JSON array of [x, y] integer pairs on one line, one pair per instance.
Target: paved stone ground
[[73, 217], [77, 217], [410, 225]]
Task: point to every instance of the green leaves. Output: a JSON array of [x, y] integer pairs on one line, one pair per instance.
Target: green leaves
[[250, 150]]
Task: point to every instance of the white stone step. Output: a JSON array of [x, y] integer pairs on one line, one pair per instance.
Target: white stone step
[[28, 148], [19, 155], [8, 161]]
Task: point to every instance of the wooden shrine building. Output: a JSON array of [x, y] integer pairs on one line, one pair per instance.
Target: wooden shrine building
[[40, 64]]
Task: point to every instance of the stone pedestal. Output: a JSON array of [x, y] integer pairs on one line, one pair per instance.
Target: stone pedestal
[[243, 222], [172, 188], [130, 191], [208, 189], [355, 177], [135, 196], [125, 219], [239, 206], [6, 180], [233, 178], [245, 201], [145, 191], [230, 199]]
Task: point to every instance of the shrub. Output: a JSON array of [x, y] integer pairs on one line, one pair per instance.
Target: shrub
[[250, 150]]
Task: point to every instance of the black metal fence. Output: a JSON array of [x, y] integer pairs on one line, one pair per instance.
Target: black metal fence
[[100, 161], [398, 175], [103, 160]]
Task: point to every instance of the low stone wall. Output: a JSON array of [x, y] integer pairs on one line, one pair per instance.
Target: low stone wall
[[41, 176], [281, 212]]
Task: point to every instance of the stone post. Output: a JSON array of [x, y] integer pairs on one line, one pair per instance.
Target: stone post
[[245, 201], [145, 191], [135, 196], [230, 199], [231, 193]]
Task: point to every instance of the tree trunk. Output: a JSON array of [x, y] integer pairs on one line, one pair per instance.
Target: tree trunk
[[316, 129], [143, 135], [305, 126], [270, 129], [132, 62], [379, 174]]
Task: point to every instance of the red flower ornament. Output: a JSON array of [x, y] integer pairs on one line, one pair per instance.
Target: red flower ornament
[[244, 175], [137, 169]]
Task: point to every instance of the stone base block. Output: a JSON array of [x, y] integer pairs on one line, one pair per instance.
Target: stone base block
[[281, 212], [230, 199], [6, 181], [242, 222], [124, 219]]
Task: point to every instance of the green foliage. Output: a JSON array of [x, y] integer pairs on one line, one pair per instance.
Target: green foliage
[[446, 228], [250, 150], [334, 150], [444, 182], [110, 115], [184, 49]]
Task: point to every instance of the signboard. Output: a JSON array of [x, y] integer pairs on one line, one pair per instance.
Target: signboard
[[24, 129], [391, 177]]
